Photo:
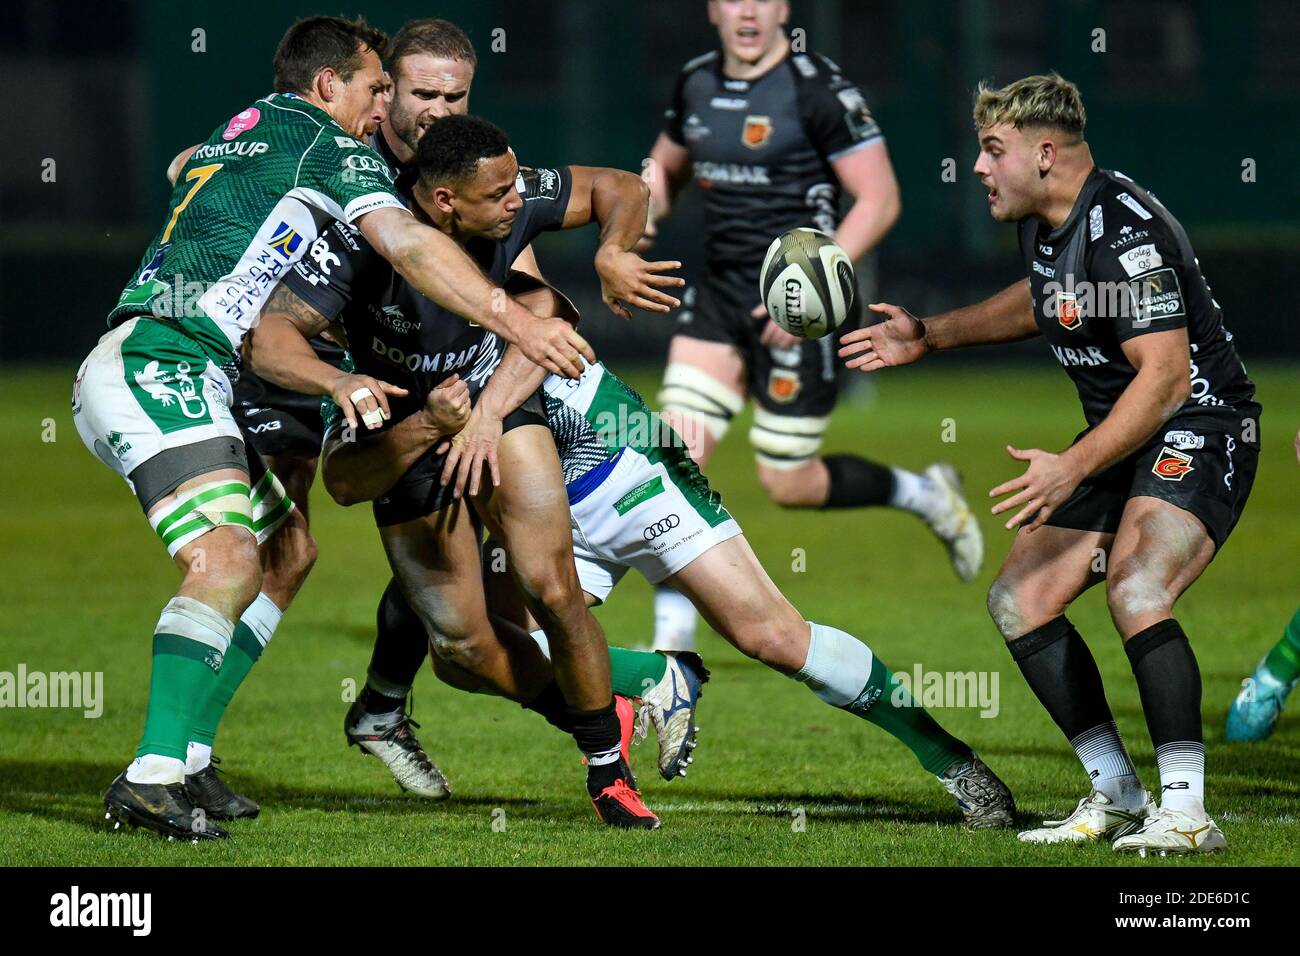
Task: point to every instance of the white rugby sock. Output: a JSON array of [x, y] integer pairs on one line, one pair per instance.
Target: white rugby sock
[[155, 768], [262, 617], [675, 618], [916, 493], [1182, 776], [838, 667], [1102, 753], [197, 756], [540, 637]]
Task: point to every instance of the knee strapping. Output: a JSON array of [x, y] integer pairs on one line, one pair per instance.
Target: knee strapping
[[691, 393], [784, 441], [202, 509]]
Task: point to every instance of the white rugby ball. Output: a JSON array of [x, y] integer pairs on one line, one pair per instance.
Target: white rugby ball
[[807, 283]]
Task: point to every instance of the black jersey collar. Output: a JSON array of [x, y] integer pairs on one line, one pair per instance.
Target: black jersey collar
[[1090, 186], [753, 81]]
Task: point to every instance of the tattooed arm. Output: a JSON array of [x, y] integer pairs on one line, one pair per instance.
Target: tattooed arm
[[279, 349]]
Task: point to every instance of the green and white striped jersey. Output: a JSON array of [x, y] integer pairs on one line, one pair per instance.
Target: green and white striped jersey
[[248, 205]]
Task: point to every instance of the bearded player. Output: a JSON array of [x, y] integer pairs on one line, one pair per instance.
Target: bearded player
[[1155, 483], [774, 138], [431, 66], [152, 399], [469, 187]]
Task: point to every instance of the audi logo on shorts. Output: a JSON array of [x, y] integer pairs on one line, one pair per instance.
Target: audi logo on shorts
[[662, 526]]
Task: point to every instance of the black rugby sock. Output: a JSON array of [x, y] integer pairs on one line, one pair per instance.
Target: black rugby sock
[[1063, 675], [856, 482], [401, 645], [1169, 684], [597, 735], [550, 703]]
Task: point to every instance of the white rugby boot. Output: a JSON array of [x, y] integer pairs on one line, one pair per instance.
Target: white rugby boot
[[956, 525], [1095, 819]]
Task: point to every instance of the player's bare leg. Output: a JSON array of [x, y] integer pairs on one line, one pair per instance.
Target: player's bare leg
[[1159, 551], [435, 561], [286, 554], [529, 514], [739, 600], [1044, 572]]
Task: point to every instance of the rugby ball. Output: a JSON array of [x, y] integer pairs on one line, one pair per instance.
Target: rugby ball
[[807, 283]]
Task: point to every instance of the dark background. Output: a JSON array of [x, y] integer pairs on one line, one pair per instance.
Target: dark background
[[1183, 94]]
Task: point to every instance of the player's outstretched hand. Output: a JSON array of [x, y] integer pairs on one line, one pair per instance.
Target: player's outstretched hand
[[899, 340], [627, 279], [773, 336], [555, 346], [1047, 482], [472, 448], [448, 406], [360, 396]]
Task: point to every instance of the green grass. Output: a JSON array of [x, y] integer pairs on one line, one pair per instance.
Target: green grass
[[85, 579]]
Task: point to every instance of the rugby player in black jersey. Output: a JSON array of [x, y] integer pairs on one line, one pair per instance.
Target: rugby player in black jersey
[[1146, 495], [431, 66], [493, 209], [774, 137]]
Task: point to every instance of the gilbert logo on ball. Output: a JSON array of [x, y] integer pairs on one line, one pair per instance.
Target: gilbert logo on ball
[[807, 283], [242, 122]]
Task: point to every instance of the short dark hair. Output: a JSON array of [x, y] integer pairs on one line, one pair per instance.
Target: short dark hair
[[450, 149], [314, 43], [440, 38]]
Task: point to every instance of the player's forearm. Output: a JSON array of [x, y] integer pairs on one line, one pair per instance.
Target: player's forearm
[[510, 385], [1150, 400], [367, 466], [279, 352], [666, 174], [440, 270], [1005, 317], [620, 202], [867, 223]]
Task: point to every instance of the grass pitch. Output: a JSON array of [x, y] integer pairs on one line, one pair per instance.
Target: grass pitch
[[780, 778]]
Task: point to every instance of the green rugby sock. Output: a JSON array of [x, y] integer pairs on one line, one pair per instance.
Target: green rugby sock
[[1283, 660], [188, 645], [843, 672], [898, 713], [252, 634], [632, 673]]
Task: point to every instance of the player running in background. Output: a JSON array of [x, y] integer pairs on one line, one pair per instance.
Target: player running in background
[[469, 187], [1256, 708], [152, 399], [774, 138], [1153, 486]]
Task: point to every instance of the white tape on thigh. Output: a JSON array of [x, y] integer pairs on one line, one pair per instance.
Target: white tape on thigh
[[271, 506], [689, 392], [201, 509], [784, 441]]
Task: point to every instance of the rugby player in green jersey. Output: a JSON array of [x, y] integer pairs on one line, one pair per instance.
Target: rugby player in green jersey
[[152, 399]]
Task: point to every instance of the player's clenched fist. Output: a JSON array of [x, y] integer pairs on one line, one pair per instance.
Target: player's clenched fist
[[555, 346], [448, 406], [899, 340], [365, 398]]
